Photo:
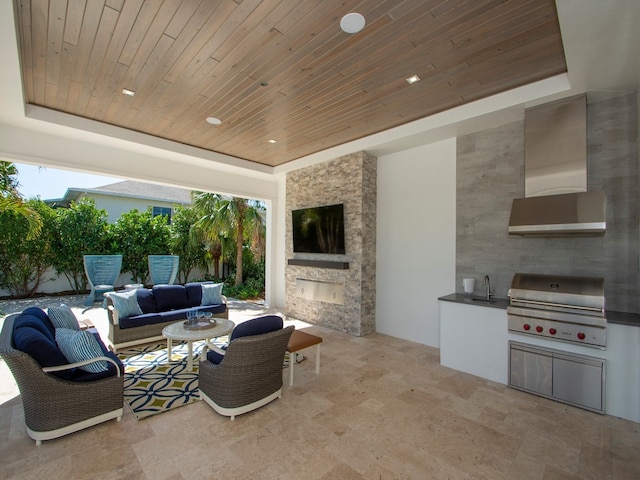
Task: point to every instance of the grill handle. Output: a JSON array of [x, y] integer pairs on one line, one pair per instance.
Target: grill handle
[[555, 305]]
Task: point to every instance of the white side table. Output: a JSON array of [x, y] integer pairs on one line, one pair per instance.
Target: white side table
[[176, 331]]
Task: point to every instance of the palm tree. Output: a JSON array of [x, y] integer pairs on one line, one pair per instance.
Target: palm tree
[[11, 200], [230, 217]]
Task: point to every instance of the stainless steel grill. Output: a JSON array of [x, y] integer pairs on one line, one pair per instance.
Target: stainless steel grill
[[565, 308]]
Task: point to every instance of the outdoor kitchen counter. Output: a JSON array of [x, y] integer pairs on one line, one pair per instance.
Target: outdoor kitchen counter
[[613, 317], [476, 341], [476, 300], [623, 318]]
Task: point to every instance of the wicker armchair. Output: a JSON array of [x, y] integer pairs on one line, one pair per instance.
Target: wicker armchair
[[248, 377], [54, 407]]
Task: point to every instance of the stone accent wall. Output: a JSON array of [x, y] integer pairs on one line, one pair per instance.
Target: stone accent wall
[[350, 180], [490, 173]]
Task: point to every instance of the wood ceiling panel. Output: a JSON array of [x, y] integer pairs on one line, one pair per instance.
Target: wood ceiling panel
[[197, 58]]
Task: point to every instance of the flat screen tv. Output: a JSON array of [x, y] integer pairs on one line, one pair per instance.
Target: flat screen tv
[[319, 229]]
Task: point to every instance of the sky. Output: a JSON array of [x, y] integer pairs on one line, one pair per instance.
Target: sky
[[50, 183]]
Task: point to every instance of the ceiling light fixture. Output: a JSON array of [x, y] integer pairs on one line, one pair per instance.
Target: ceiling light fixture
[[352, 23], [214, 120], [126, 91], [273, 141], [413, 79]]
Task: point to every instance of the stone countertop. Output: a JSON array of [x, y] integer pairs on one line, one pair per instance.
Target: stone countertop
[[476, 300], [623, 318], [620, 318]]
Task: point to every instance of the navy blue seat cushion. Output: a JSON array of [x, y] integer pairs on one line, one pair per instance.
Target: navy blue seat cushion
[[194, 294], [34, 320], [168, 316], [42, 316], [145, 300], [32, 335], [138, 320], [41, 348], [215, 309], [170, 297], [215, 357], [255, 326]]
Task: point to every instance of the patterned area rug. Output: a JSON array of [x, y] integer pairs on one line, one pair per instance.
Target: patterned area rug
[[154, 385]]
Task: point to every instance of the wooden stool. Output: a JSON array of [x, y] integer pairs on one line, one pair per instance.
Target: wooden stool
[[298, 341]]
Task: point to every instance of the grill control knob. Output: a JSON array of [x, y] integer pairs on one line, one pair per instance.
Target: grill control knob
[[526, 327], [539, 329], [581, 336], [553, 331]]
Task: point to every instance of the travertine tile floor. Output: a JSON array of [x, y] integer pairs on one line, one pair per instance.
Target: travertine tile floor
[[381, 408]]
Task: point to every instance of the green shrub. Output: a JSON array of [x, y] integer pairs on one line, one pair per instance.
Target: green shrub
[[136, 235], [69, 246], [24, 260]]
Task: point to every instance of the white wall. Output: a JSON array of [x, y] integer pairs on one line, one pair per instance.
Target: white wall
[[276, 246], [415, 240], [116, 206]]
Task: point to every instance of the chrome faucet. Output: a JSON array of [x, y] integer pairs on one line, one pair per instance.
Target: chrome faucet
[[487, 284]]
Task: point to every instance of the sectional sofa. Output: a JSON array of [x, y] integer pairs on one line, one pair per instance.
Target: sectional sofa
[[138, 316]]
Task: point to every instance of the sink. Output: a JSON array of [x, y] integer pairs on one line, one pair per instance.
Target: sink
[[482, 300]]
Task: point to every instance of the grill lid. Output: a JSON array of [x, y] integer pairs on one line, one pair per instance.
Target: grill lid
[[560, 290]]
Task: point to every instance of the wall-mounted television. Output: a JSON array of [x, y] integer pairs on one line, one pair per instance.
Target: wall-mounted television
[[319, 229]]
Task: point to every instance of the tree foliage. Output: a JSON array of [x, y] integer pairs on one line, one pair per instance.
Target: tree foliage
[[81, 230], [184, 243], [222, 216], [136, 235], [24, 259], [216, 228], [11, 200]]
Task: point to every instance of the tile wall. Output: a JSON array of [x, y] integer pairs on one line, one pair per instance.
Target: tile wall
[[490, 173]]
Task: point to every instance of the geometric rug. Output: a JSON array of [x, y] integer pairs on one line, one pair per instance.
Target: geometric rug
[[153, 385]]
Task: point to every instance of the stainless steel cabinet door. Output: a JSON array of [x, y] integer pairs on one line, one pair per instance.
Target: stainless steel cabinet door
[[531, 369], [578, 382]]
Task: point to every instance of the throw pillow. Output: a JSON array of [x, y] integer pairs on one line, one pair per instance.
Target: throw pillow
[[80, 345], [63, 317], [212, 293], [126, 303]]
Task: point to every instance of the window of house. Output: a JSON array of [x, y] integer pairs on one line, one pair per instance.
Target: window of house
[[166, 211]]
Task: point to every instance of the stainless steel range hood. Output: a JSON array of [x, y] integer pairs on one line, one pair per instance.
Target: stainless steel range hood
[[556, 199]]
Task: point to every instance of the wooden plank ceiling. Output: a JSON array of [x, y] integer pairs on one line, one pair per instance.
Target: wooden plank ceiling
[[278, 69]]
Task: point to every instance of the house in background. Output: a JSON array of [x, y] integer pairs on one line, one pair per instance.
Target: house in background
[[121, 197]]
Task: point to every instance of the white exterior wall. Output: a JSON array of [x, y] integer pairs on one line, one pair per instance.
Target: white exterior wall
[[116, 206], [416, 251]]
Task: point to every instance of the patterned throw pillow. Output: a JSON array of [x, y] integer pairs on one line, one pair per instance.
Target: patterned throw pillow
[[211, 293], [80, 345], [63, 317], [126, 303]]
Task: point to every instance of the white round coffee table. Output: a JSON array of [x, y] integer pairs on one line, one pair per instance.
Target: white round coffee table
[[177, 331]]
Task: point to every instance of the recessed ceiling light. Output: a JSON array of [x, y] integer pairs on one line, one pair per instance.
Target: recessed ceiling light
[[126, 91], [413, 79], [273, 141], [352, 23], [214, 120]]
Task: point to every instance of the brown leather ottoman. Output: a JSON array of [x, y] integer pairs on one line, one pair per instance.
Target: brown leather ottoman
[[300, 340]]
